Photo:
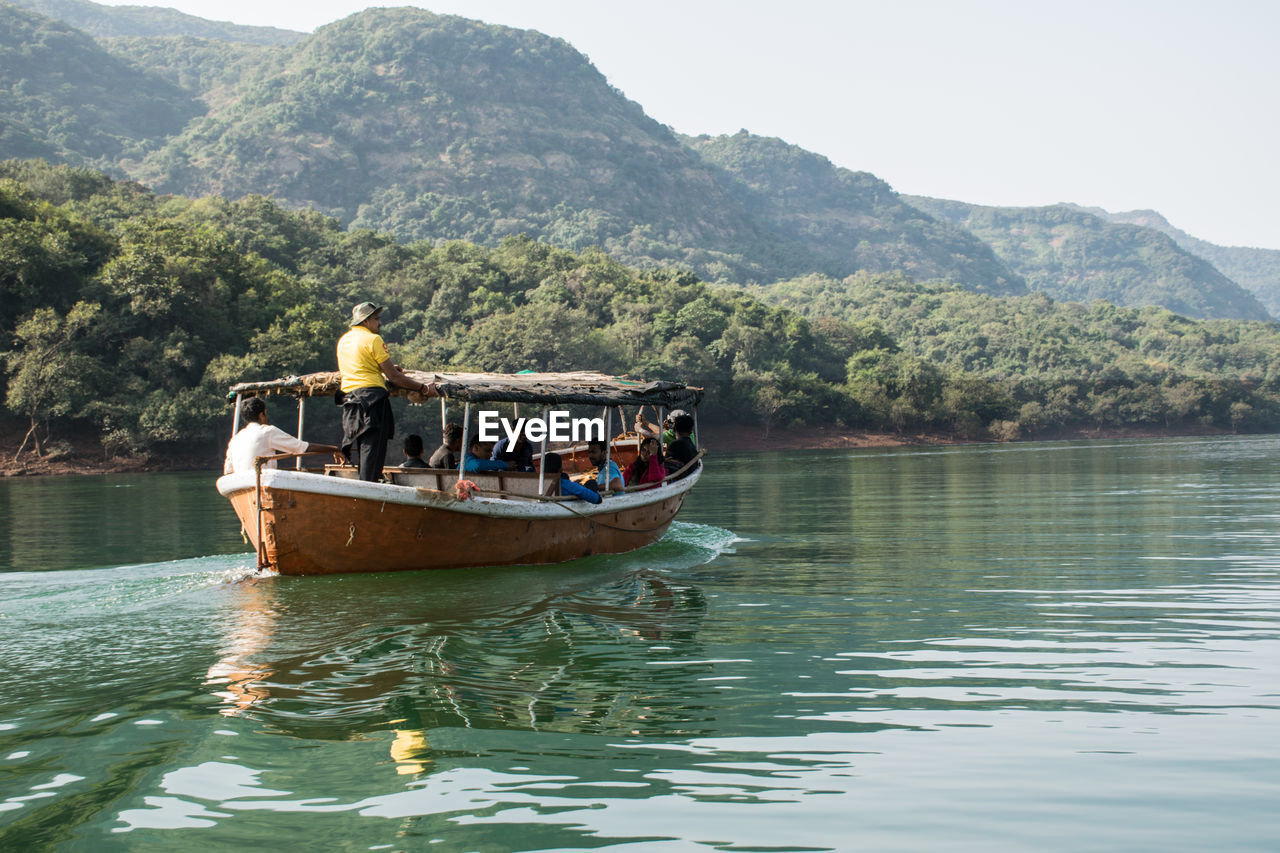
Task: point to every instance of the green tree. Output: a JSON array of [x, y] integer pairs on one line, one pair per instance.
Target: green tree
[[49, 375]]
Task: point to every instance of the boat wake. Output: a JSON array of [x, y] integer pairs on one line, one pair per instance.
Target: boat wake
[[705, 539], [117, 588], [128, 587]]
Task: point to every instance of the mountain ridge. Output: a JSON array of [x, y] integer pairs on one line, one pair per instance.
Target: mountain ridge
[[64, 97], [1057, 249], [1255, 269], [439, 127], [103, 21], [842, 219]]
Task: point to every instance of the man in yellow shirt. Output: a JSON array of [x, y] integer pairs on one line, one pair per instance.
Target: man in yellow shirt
[[366, 368]]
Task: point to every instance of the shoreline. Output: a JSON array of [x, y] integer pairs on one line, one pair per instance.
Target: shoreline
[[730, 438], [721, 438]]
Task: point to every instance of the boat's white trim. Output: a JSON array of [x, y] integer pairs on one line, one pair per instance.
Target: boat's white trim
[[301, 481]]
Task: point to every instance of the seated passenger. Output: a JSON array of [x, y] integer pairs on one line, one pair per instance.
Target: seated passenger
[[553, 466], [667, 431], [610, 477], [258, 438], [647, 466], [520, 457], [681, 451], [413, 453], [446, 455], [477, 459]]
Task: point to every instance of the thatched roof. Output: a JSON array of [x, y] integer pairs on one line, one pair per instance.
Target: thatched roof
[[539, 388]]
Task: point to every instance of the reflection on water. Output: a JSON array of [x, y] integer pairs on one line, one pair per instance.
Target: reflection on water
[[321, 659], [565, 653], [960, 648]]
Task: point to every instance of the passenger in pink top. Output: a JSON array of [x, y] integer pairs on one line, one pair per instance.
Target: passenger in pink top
[[647, 466]]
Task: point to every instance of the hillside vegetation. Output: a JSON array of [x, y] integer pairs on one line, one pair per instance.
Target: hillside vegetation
[[63, 97], [1256, 270], [131, 313], [107, 21], [439, 128], [1072, 254], [1039, 365], [836, 219]]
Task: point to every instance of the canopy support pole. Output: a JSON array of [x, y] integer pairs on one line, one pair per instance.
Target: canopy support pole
[[608, 445], [263, 562], [302, 407], [235, 417], [542, 464], [466, 439]]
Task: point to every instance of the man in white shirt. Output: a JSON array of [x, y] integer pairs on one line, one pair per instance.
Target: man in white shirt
[[259, 438]]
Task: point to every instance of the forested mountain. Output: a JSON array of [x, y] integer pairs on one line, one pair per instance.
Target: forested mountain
[[63, 97], [210, 72], [435, 127], [130, 314], [107, 21], [439, 128], [843, 220], [1072, 254], [1256, 270]]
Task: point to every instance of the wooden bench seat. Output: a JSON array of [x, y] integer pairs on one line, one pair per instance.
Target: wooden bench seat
[[443, 479]]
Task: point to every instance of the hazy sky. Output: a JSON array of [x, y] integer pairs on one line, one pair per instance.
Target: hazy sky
[[1122, 104]]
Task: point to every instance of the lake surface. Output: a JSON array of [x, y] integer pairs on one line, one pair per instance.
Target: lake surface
[[1063, 646]]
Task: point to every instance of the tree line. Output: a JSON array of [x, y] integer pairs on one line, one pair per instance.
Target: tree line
[[129, 314], [933, 355]]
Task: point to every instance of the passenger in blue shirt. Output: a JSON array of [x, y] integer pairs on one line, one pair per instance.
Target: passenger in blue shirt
[[477, 459], [610, 477], [519, 457], [552, 465]]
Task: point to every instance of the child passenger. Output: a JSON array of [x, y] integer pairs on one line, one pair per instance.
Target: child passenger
[[413, 453]]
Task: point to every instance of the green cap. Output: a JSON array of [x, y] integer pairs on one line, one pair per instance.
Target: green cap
[[363, 312]]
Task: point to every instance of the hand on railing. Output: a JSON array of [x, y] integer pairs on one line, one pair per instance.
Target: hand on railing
[[672, 476], [420, 395], [338, 458]]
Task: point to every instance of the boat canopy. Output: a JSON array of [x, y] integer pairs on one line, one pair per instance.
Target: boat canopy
[[583, 388]]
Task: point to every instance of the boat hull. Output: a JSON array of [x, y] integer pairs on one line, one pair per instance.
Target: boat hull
[[315, 525]]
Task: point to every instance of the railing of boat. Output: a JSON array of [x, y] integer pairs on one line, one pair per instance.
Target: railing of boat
[[561, 500], [674, 475]]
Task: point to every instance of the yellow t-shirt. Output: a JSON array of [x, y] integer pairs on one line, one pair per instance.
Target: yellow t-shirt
[[360, 352]]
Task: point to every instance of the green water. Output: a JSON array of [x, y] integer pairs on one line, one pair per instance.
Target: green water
[[1064, 646]]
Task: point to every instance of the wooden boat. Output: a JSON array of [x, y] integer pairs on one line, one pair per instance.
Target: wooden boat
[[326, 521]]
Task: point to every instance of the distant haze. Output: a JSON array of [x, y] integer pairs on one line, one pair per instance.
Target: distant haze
[[1163, 105]]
